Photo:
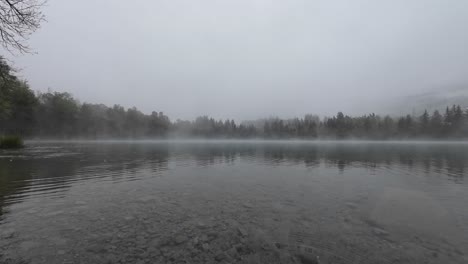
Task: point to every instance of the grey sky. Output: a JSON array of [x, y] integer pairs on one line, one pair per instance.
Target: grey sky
[[246, 59]]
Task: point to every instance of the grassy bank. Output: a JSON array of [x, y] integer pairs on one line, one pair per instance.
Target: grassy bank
[[11, 142]]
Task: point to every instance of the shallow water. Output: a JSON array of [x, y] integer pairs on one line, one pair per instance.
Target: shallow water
[[234, 202]]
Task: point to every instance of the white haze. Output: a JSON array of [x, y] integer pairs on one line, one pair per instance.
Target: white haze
[[246, 59]]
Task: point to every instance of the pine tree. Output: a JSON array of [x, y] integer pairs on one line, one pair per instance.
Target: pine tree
[[424, 120]]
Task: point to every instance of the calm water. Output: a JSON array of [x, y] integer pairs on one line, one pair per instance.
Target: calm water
[[234, 202]]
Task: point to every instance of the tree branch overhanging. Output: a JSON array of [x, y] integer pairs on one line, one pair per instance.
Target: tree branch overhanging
[[18, 20]]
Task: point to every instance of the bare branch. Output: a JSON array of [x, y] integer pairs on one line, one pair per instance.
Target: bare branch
[[18, 20]]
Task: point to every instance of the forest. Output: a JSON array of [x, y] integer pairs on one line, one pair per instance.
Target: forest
[[59, 115]]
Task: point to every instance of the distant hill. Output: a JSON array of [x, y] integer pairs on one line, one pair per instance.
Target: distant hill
[[436, 99]]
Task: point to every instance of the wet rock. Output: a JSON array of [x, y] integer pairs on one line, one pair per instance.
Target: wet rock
[[243, 249], [232, 252], [28, 245], [379, 232], [220, 256], [58, 241], [99, 249], [141, 242], [165, 251], [180, 239], [7, 233], [111, 247], [177, 255], [110, 259], [156, 243], [201, 225], [232, 222], [247, 205], [308, 259], [242, 231], [267, 247], [278, 245], [204, 238], [213, 234], [205, 247]]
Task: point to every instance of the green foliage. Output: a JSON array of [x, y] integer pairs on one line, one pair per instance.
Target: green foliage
[[11, 142], [17, 103], [57, 114], [7, 83]]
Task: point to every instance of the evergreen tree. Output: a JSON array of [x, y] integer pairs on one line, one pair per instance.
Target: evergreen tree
[[424, 123], [436, 126]]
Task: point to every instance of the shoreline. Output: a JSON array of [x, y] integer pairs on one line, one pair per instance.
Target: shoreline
[[259, 141]]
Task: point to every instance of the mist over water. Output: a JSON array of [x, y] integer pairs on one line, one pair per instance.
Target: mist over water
[[238, 201]]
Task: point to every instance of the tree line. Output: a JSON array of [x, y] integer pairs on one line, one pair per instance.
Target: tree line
[[59, 115]]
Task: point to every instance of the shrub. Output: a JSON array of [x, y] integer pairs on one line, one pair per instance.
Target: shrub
[[11, 142]]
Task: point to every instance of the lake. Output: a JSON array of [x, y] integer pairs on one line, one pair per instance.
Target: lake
[[234, 202]]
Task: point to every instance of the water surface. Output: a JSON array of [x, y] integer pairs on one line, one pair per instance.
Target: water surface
[[234, 202]]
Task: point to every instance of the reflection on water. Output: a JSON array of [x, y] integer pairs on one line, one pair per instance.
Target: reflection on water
[[234, 202]]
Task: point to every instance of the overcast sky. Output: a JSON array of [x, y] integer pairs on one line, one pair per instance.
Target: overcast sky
[[246, 59]]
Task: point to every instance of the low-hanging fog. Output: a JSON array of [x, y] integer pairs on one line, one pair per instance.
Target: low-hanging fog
[[248, 59]]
